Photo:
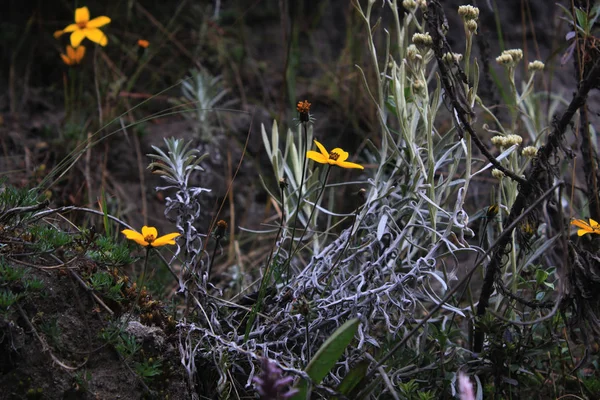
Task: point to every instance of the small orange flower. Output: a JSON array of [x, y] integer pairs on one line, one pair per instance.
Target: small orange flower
[[73, 56], [149, 237], [337, 157], [304, 110], [303, 106], [585, 228], [143, 43], [221, 229]]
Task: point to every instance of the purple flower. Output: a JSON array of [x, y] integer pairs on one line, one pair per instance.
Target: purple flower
[[271, 385], [465, 387]]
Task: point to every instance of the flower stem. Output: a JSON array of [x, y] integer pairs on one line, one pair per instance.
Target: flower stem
[[212, 259], [312, 212], [143, 279], [299, 204], [268, 271]]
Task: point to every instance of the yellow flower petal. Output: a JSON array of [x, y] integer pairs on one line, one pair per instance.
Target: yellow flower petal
[[135, 236], [96, 36], [580, 223], [343, 155], [581, 232], [166, 239], [148, 237], [585, 227], [69, 28], [339, 157], [149, 231], [595, 225], [82, 15], [346, 164], [322, 149], [76, 38], [318, 157], [98, 22], [58, 34]]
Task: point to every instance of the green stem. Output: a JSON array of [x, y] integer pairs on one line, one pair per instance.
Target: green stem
[[299, 204], [143, 279], [212, 260], [267, 276], [469, 45], [312, 212]]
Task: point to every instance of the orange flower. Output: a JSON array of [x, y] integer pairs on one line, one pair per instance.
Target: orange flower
[[84, 28], [304, 110], [585, 228], [148, 237], [73, 56], [303, 106], [143, 43]]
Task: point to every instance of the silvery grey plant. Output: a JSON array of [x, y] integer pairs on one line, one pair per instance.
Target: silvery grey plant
[[201, 93], [175, 166], [398, 257]]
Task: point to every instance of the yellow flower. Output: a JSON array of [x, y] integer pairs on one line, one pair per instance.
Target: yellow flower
[[73, 56], [592, 227], [84, 28], [148, 237], [337, 157]]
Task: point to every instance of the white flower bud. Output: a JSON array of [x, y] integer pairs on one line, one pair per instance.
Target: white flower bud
[[530, 151], [410, 5], [514, 139], [496, 173], [452, 57], [536, 66], [504, 59], [471, 25], [499, 141], [422, 39], [468, 12], [516, 54], [412, 53]]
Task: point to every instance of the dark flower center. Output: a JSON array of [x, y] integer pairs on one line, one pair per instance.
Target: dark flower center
[[334, 156], [149, 239]]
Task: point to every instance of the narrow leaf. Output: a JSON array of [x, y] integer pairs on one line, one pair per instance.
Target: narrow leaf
[[327, 356]]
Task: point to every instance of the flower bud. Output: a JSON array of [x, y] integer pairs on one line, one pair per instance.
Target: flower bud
[[468, 12], [496, 173], [536, 65], [530, 151]]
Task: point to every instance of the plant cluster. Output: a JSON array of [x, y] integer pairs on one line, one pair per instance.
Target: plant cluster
[[425, 288]]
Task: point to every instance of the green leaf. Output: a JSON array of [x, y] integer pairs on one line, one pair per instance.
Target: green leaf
[[353, 378], [582, 20], [541, 276], [327, 356]]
